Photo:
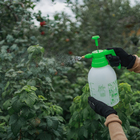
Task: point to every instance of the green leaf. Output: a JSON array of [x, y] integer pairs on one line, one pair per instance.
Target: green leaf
[[44, 136], [122, 116], [48, 79], [13, 119], [2, 124], [29, 98], [86, 88], [18, 92], [85, 113], [10, 110], [127, 125], [61, 119], [41, 97], [16, 104], [4, 48], [55, 122], [1, 111], [9, 38], [5, 118], [4, 94], [49, 122], [32, 131], [31, 114], [56, 17], [31, 82], [105, 132], [6, 104], [15, 127], [36, 106], [87, 123], [69, 97], [56, 133], [27, 88], [57, 109], [134, 129], [33, 88], [1, 42], [14, 47], [129, 109], [7, 85], [35, 49], [83, 132], [25, 111], [52, 122], [33, 6]]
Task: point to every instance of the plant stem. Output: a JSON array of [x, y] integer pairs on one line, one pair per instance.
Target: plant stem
[[20, 135], [93, 136]]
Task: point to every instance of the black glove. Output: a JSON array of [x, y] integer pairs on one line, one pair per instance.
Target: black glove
[[122, 57], [100, 107]]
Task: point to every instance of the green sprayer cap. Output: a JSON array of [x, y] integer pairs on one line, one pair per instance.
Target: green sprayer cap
[[99, 56]]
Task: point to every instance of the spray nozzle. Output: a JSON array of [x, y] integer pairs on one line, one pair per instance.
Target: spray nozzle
[[96, 39]]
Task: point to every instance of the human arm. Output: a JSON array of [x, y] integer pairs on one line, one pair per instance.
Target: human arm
[[112, 120], [136, 66], [115, 129]]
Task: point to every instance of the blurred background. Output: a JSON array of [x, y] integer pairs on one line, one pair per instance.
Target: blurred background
[[118, 22], [43, 82]]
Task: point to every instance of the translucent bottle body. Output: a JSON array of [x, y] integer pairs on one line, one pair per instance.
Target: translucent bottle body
[[103, 85]]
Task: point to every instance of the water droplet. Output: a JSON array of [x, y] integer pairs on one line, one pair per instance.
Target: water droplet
[[78, 57], [67, 60]]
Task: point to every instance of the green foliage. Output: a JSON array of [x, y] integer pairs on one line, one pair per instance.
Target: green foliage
[[68, 86], [26, 110], [35, 49], [133, 79], [84, 121], [31, 116], [130, 77], [86, 124], [41, 82]]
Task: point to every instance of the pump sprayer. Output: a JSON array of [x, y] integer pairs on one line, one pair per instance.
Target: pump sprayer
[[102, 77]]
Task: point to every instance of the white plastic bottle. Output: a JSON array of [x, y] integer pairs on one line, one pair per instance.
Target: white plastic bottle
[[103, 85], [102, 78]]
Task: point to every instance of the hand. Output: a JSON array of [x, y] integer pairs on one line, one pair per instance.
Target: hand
[[122, 57], [100, 107]]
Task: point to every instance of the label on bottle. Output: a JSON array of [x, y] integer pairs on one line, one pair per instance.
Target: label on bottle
[[113, 92], [107, 93], [101, 90]]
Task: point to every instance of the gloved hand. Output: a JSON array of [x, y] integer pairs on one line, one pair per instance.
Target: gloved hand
[[100, 107], [122, 57]]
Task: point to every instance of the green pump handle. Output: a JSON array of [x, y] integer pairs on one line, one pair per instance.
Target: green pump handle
[[96, 39], [112, 52]]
